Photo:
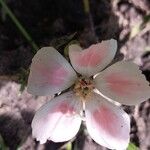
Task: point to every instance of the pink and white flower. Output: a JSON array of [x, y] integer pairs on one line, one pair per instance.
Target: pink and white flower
[[59, 119]]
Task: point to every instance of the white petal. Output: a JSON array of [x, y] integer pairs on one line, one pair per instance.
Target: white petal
[[107, 124], [58, 120], [50, 73], [90, 61], [123, 82]]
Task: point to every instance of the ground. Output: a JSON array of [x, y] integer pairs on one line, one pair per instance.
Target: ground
[[46, 21]]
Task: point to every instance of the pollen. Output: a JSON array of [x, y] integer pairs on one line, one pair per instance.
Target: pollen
[[83, 88]]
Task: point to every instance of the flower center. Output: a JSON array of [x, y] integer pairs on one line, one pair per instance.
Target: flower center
[[83, 87]]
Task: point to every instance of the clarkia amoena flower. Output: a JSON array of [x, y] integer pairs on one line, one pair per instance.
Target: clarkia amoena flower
[[59, 119]]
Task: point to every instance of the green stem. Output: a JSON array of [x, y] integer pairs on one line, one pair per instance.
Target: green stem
[[86, 6], [19, 26]]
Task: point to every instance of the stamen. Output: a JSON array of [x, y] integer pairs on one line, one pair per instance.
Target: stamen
[[83, 88]]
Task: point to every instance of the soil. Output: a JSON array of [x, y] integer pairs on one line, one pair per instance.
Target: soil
[[48, 20]]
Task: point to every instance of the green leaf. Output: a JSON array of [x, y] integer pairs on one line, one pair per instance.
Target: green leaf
[[131, 146], [69, 146]]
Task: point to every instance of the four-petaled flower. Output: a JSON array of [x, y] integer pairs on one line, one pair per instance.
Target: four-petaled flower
[[59, 119]]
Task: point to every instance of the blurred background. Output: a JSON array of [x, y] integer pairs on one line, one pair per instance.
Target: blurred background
[[26, 26]]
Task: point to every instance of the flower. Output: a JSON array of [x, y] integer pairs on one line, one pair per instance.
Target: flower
[[59, 119]]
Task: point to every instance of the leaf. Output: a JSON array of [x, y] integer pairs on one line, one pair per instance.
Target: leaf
[[131, 146], [69, 146]]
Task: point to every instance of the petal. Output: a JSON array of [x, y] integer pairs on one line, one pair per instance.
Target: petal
[[107, 124], [124, 83], [50, 73], [58, 120], [90, 61]]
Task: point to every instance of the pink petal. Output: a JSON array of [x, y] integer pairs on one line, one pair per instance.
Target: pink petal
[[58, 120], [107, 124], [50, 73], [90, 61], [124, 83]]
